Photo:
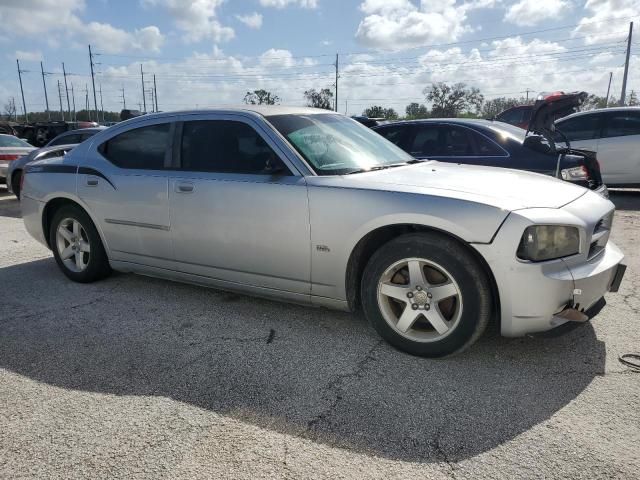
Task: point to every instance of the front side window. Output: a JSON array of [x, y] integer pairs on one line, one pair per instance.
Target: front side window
[[622, 124], [226, 146], [582, 127], [141, 148], [394, 134], [335, 145]]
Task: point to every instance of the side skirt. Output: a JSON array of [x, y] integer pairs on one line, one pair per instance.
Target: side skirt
[[262, 292]]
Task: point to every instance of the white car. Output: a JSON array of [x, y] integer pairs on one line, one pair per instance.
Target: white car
[[11, 148], [614, 134]]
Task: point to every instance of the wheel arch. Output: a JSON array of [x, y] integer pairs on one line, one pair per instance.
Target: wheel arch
[[54, 204], [376, 238]]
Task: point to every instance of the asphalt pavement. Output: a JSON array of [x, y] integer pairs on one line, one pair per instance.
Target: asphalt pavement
[[134, 377]]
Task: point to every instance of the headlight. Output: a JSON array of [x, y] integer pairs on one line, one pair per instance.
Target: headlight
[[547, 242]]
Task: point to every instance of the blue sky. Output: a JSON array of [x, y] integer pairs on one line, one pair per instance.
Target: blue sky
[[210, 52]]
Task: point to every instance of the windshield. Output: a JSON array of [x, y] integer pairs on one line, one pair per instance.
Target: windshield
[[335, 145], [11, 141]]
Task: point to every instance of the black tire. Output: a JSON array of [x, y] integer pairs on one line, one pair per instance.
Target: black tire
[[15, 183], [97, 266], [464, 269]]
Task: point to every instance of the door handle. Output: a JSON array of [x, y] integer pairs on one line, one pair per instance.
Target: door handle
[[184, 187], [92, 181]]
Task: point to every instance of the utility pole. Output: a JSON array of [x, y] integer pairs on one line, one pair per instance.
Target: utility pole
[[626, 67], [606, 103], [73, 96], [144, 100], [155, 90], [24, 105], [527, 92], [66, 89], [101, 106], [86, 100], [93, 82], [60, 97], [124, 100], [46, 98], [336, 100]]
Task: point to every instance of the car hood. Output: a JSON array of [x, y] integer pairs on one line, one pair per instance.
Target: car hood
[[500, 187]]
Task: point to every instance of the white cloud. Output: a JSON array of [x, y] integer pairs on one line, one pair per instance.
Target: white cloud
[[526, 13], [252, 20], [398, 24], [600, 26], [27, 56], [59, 20], [196, 18], [277, 58], [286, 3]]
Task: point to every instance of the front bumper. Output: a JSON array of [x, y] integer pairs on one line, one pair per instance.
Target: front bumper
[[531, 294], [4, 168]]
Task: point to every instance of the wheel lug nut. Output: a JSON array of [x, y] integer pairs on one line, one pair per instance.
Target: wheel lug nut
[[410, 295], [418, 288], [429, 295], [427, 307], [415, 306]]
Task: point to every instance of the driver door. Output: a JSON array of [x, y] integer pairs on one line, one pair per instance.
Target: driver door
[[237, 212]]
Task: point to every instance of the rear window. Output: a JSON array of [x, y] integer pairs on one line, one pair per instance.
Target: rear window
[[11, 141], [66, 140], [140, 148]]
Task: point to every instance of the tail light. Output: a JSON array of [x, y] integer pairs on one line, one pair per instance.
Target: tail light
[[575, 174], [9, 157]]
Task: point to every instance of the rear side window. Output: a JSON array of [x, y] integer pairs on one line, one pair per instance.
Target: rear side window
[[511, 116], [140, 148], [394, 134], [457, 142], [67, 140], [582, 127], [225, 146], [486, 147], [427, 142], [622, 124]]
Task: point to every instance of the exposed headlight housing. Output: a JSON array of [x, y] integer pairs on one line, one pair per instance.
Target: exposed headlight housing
[[548, 242]]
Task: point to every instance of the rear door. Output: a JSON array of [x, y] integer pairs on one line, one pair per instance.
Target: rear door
[[125, 185], [618, 149], [238, 212]]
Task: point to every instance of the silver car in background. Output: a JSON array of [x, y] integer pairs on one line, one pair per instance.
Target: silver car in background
[[14, 172], [11, 149], [614, 134], [312, 207]]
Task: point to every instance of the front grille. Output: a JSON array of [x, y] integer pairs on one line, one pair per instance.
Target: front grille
[[600, 236]]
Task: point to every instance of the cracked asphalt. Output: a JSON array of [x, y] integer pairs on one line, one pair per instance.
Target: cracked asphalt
[[134, 377]]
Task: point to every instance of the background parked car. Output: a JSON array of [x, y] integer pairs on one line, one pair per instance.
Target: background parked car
[[73, 137], [11, 149], [518, 116], [614, 134], [14, 173], [483, 142]]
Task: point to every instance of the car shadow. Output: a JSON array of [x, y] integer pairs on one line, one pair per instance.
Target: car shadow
[[625, 199], [312, 373], [9, 204]]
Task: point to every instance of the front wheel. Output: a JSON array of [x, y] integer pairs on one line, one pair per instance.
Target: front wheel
[[426, 295], [76, 245]]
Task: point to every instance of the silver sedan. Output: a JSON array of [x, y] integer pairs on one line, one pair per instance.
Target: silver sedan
[[311, 207]]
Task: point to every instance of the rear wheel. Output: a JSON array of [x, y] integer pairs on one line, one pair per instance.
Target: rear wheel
[[426, 295], [15, 183], [76, 245]]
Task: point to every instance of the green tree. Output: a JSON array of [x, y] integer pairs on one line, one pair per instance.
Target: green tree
[[377, 111], [491, 108], [261, 97], [594, 101], [321, 99], [416, 110], [453, 100], [633, 99]]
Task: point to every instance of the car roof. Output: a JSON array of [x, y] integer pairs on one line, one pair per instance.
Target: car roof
[[462, 121], [601, 110], [264, 110]]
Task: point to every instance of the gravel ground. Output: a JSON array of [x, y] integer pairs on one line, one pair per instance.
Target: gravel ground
[[134, 377]]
